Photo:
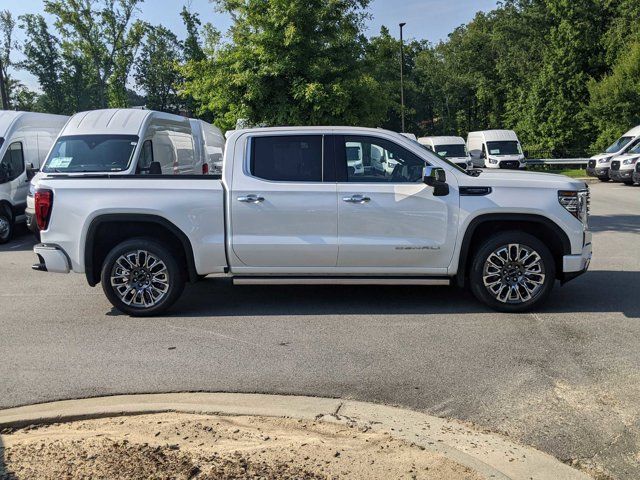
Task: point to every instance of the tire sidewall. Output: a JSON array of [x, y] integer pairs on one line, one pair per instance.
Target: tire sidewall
[[176, 276], [6, 213], [477, 268]]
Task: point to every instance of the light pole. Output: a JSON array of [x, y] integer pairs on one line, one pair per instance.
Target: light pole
[[402, 76]]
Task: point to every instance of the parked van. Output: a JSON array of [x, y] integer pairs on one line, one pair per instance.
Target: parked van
[[453, 149], [130, 142], [495, 149], [623, 166], [600, 165], [209, 142], [25, 140]]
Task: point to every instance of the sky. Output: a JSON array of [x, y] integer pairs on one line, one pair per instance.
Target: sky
[[432, 20]]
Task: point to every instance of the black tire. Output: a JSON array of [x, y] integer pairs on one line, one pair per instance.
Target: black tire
[[173, 271], [628, 182], [545, 265], [604, 179], [6, 224]]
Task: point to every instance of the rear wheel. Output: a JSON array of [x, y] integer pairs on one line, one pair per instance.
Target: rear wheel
[[141, 277], [6, 224], [512, 272]]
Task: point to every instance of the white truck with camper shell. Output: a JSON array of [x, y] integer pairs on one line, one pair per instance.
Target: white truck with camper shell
[[25, 140], [131, 142], [496, 149], [450, 147], [599, 166], [288, 210]]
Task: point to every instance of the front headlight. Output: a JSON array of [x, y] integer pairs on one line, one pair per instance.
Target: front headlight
[[576, 202], [604, 160], [630, 161], [493, 161]]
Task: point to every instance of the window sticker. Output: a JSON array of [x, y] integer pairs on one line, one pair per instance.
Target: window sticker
[[60, 162], [494, 152]]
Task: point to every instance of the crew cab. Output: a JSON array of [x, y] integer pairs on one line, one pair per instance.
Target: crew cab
[[289, 210]]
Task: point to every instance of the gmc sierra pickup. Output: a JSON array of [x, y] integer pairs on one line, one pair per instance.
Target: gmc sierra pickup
[[288, 209]]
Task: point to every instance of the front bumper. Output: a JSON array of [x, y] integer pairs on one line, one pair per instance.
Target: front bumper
[[51, 259], [621, 175], [598, 172], [575, 265]]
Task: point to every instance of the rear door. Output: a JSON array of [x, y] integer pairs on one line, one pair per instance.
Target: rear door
[[391, 220], [283, 203]]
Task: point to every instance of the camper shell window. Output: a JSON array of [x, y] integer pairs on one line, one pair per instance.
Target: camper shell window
[[91, 153]]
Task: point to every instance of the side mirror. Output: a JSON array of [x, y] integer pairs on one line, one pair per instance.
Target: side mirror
[[155, 168], [436, 177], [31, 171]]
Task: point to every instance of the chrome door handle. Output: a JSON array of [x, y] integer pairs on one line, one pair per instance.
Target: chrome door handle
[[251, 199], [356, 199]]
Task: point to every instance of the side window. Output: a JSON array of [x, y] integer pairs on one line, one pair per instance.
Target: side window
[[374, 160], [484, 151], [146, 156], [12, 164], [295, 158]]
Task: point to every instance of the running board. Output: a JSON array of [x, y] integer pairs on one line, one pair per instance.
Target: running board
[[341, 281]]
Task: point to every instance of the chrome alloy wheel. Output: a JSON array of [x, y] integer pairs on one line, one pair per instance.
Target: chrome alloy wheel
[[514, 273], [140, 279], [5, 228]]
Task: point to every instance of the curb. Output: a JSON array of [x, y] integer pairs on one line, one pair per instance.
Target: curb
[[490, 455]]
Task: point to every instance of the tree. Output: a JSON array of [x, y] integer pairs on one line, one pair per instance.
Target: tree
[[157, 71], [192, 47], [106, 35], [7, 45], [615, 100], [294, 62]]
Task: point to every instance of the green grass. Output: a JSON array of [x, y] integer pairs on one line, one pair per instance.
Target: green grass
[[569, 172]]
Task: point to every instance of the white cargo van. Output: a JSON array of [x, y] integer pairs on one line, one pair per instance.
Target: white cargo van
[[599, 165], [130, 142], [495, 149], [209, 142], [25, 140], [453, 149], [623, 166]]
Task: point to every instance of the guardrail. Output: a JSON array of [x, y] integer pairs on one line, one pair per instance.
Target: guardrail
[[582, 162]]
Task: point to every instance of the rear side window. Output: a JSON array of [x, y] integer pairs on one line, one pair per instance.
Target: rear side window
[[295, 158]]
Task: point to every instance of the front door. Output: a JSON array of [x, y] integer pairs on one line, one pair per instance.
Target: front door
[[391, 219], [14, 175], [283, 213]]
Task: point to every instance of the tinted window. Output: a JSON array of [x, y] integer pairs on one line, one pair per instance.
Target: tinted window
[[452, 151], [91, 153], [379, 160], [146, 156], [504, 148], [287, 158], [12, 164], [618, 144]]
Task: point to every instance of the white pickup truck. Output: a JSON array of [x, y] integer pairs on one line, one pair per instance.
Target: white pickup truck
[[288, 210]]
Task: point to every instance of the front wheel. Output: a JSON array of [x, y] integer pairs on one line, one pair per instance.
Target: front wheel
[[512, 272], [604, 179], [6, 224], [141, 277]]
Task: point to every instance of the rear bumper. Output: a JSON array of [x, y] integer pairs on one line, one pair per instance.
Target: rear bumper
[[51, 259], [575, 265], [598, 172], [621, 175]]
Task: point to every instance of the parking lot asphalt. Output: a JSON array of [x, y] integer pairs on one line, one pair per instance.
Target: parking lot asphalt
[[565, 379]]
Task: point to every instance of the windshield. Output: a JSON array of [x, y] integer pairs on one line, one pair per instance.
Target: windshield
[[635, 148], [444, 159], [507, 147], [618, 145], [452, 151], [91, 153]]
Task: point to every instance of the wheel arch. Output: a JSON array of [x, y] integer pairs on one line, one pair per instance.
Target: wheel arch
[[132, 225], [541, 227]]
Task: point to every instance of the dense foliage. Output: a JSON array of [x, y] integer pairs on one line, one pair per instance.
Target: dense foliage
[[565, 74]]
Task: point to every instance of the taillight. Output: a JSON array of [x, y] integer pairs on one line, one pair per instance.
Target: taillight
[[44, 205], [205, 169]]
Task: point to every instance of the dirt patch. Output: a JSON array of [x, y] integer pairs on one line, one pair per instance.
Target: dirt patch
[[184, 446]]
